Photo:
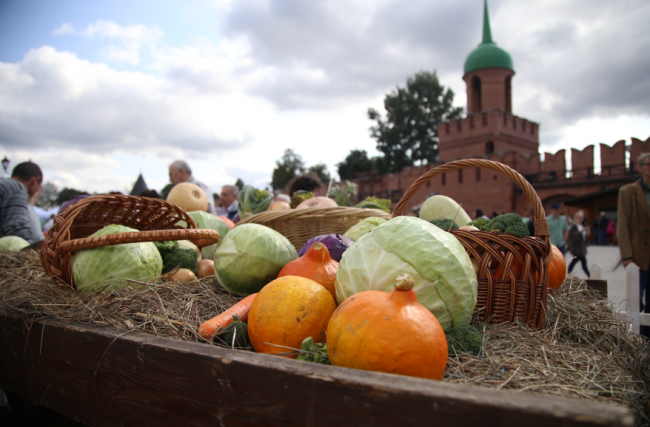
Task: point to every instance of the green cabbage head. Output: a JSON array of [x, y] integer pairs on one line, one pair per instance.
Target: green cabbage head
[[363, 227], [250, 256], [93, 269], [445, 281], [207, 221], [13, 243]]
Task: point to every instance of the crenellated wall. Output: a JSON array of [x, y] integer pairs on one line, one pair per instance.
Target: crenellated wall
[[493, 192]]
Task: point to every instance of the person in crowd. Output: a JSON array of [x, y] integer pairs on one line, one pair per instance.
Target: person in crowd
[[79, 197], [531, 224], [34, 220], [180, 171], [594, 232], [578, 242], [478, 213], [494, 215], [228, 200], [558, 228], [611, 232], [306, 182], [633, 231], [15, 192], [603, 222]]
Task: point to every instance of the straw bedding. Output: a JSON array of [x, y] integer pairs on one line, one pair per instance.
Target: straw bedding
[[584, 350]]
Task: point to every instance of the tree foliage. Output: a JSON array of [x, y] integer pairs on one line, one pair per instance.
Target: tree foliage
[[358, 161], [321, 171], [239, 184], [286, 168], [67, 194], [47, 196], [409, 134]]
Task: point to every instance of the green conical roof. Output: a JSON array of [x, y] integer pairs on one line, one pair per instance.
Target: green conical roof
[[488, 54]]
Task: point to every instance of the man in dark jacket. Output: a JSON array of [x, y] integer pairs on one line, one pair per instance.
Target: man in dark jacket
[[25, 182], [634, 229]]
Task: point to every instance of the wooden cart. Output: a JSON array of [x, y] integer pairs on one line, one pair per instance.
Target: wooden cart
[[101, 376]]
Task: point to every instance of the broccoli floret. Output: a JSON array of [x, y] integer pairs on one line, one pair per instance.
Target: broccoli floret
[[166, 247], [481, 224], [444, 223], [300, 196], [464, 339], [510, 223], [181, 258], [236, 335], [375, 203]]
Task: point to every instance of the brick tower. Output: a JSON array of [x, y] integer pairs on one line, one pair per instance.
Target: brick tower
[[490, 127]]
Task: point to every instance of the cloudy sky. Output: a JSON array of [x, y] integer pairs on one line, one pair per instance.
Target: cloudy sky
[[97, 92]]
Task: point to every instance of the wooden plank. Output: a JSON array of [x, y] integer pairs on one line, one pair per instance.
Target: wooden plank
[[106, 377]]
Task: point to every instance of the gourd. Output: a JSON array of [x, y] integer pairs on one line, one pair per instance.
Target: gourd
[[317, 265], [388, 332], [317, 202], [556, 269], [286, 311]]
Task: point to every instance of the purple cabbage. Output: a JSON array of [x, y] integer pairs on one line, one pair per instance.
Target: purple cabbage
[[336, 244]]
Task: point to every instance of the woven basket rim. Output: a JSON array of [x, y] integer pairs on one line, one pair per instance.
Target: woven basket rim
[[307, 213]]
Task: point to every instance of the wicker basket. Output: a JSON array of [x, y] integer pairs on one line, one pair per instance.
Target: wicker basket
[[302, 224], [157, 219], [503, 300]]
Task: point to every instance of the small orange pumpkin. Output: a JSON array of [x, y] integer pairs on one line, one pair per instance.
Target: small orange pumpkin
[[556, 269], [317, 265], [388, 332], [286, 311]]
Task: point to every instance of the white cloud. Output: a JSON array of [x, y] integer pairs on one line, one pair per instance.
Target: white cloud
[[65, 28]]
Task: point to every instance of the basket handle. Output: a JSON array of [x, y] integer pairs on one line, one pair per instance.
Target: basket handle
[[207, 237], [541, 225]]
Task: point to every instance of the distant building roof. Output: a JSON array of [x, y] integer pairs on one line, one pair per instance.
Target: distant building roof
[[488, 54], [139, 186]]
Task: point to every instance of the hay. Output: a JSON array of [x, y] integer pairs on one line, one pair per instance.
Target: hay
[[584, 350]]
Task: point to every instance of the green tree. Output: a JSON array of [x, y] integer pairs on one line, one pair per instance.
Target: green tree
[[67, 194], [286, 168], [321, 171], [357, 161], [47, 196], [410, 132], [239, 184]]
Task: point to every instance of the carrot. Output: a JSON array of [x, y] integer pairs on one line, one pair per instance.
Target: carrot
[[218, 324]]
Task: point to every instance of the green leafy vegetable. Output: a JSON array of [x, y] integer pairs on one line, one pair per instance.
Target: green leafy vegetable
[[363, 227], [236, 335], [464, 339], [344, 194], [507, 223], [300, 196], [253, 200], [209, 222], [445, 224], [181, 258], [445, 281], [317, 352], [375, 203], [13, 243], [109, 267], [250, 256]]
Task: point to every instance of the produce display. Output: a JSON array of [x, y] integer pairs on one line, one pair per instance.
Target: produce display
[[300, 196], [443, 207], [286, 311], [556, 269], [317, 202], [252, 201], [107, 268], [445, 224], [249, 257], [445, 281], [375, 203], [175, 256], [336, 244], [188, 196], [388, 332], [510, 223], [13, 243], [363, 227], [317, 265], [206, 221]]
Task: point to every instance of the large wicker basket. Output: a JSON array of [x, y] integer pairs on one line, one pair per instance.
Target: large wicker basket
[[300, 225], [506, 299], [156, 219]]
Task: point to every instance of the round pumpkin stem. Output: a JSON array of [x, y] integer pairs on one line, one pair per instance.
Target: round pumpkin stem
[[318, 246], [404, 282]]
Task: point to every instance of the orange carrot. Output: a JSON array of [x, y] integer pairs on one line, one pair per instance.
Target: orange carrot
[[218, 324]]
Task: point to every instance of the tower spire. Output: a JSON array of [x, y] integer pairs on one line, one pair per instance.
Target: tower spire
[[487, 34]]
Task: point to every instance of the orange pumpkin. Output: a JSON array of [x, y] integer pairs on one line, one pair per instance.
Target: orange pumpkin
[[286, 311], [388, 332], [317, 265], [556, 269]]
